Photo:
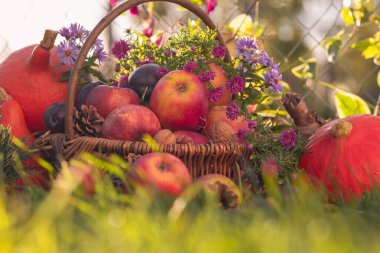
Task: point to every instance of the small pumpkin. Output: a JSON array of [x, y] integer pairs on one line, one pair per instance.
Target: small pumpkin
[[31, 76], [344, 156], [12, 116]]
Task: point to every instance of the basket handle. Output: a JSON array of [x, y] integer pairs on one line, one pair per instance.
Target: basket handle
[[73, 82]]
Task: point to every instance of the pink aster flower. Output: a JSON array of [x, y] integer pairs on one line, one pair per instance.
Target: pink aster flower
[[120, 49], [67, 52], [113, 3], [236, 85], [215, 94], [134, 11], [161, 72], [288, 138], [123, 81], [232, 111], [252, 124], [190, 66], [241, 134], [270, 167], [211, 4], [219, 52], [207, 76]]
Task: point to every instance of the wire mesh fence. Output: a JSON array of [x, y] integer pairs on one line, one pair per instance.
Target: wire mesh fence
[[292, 29]]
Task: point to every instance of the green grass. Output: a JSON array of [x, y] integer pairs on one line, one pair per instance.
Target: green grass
[[65, 220]]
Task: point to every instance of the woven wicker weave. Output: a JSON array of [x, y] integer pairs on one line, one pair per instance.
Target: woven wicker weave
[[201, 159]]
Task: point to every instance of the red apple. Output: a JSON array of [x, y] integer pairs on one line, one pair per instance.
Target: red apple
[[163, 171], [218, 113], [180, 101], [228, 193], [106, 98], [196, 138], [220, 80], [130, 123]]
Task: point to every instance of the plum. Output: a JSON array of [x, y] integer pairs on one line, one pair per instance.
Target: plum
[[84, 91], [143, 79], [54, 118]]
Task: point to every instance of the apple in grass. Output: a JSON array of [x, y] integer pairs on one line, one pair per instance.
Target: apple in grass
[[180, 101], [161, 171], [107, 98]]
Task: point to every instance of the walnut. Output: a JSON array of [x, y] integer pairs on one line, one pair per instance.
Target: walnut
[[222, 132], [165, 136]]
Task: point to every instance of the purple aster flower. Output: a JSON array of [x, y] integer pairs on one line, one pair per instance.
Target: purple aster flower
[[232, 111], [167, 53], [98, 44], [273, 78], [276, 88], [247, 49], [215, 94], [100, 54], [65, 32], [264, 59], [219, 52], [192, 48], [120, 49], [67, 52], [77, 31], [288, 138], [235, 85], [123, 81], [242, 69], [161, 71], [252, 124], [190, 66], [246, 43], [117, 68], [207, 76]]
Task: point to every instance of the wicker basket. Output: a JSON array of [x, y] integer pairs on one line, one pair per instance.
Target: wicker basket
[[201, 159]]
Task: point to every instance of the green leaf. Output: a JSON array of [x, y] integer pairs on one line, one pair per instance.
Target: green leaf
[[348, 104], [306, 70], [363, 44], [347, 16], [243, 25], [371, 51], [272, 113], [333, 46]]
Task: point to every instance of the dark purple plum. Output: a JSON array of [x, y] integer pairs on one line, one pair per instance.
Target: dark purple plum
[[143, 79], [54, 118], [84, 91]]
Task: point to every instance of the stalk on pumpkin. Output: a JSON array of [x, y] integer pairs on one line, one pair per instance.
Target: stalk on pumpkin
[[306, 120]]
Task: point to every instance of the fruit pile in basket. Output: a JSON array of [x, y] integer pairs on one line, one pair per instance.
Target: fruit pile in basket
[[185, 90]]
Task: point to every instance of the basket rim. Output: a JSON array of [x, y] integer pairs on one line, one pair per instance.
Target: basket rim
[[103, 23]]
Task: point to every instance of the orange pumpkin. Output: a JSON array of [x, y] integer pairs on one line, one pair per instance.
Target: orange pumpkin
[[31, 76], [344, 156]]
